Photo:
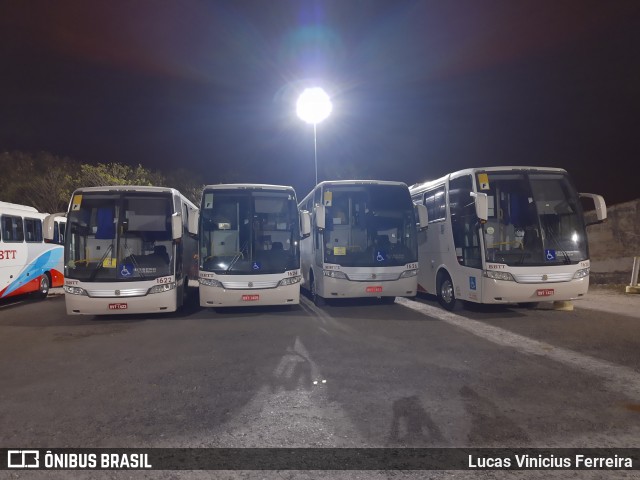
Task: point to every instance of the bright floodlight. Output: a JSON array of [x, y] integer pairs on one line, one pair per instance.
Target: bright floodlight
[[314, 105]]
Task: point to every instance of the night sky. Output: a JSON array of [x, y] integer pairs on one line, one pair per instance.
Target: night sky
[[420, 88]]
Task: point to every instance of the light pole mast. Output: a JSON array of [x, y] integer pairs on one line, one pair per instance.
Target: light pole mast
[[314, 105]]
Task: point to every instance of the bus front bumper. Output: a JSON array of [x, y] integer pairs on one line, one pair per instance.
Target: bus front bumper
[[343, 288], [150, 303], [499, 291], [223, 297]]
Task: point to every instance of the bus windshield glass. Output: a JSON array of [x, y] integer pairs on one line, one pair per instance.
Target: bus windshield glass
[[369, 226], [119, 237], [535, 218], [249, 232]]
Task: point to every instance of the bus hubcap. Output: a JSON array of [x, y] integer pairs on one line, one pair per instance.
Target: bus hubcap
[[447, 291]]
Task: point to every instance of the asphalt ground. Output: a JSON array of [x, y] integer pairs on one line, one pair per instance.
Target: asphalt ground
[[353, 374]]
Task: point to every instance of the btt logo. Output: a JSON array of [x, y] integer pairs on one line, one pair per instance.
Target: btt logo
[[23, 459]]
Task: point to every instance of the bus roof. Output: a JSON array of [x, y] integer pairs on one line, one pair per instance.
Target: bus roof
[[471, 171], [135, 188], [248, 186], [126, 188], [360, 182], [4, 206]]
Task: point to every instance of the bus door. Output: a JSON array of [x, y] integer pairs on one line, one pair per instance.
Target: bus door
[[465, 230]]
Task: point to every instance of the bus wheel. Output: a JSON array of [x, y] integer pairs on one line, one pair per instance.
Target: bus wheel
[[43, 291], [446, 296], [317, 299], [388, 300]]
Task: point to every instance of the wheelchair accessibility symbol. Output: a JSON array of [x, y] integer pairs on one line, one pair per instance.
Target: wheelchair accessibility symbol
[[125, 272], [550, 255], [380, 257], [256, 266]]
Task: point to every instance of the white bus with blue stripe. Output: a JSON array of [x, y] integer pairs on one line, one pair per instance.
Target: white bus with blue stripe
[[28, 264]]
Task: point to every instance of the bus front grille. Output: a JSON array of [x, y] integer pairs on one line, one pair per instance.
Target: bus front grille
[[127, 292], [543, 278], [250, 285]]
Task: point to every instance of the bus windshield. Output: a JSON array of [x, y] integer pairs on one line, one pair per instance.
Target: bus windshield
[[249, 232], [535, 218], [119, 237], [369, 226]]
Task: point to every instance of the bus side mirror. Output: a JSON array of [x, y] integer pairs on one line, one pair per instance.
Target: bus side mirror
[[49, 224], [194, 219], [600, 206], [423, 216], [305, 224], [482, 206], [320, 216], [176, 226]]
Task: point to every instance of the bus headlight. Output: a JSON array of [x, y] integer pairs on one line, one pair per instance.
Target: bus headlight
[[210, 282], [289, 281], [163, 287], [499, 275], [75, 290], [409, 273], [334, 274], [583, 272]]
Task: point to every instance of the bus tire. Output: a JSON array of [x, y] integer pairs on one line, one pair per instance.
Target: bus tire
[[318, 301], [446, 294], [388, 300], [45, 284]]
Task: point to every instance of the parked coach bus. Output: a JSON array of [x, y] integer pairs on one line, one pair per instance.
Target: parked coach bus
[[250, 245], [27, 263], [364, 240], [504, 235], [128, 249]]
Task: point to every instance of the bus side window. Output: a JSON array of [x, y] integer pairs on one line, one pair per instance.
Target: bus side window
[[12, 229], [33, 230]]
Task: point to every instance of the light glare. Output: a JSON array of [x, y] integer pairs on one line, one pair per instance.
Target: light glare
[[314, 105]]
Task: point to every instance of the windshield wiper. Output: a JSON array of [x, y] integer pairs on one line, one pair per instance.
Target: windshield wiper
[[132, 257], [100, 264], [237, 256]]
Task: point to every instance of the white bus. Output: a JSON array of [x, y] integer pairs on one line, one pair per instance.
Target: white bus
[[504, 235], [364, 241], [129, 249], [250, 245], [27, 263]]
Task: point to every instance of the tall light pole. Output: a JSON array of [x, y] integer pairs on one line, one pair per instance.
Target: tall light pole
[[314, 105]]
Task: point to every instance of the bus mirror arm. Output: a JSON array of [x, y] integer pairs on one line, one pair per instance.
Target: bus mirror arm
[[305, 224], [194, 219], [176, 226], [600, 207], [423, 217], [482, 206], [48, 225], [320, 217]]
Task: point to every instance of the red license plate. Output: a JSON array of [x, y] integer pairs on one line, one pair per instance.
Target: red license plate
[[374, 289], [545, 292], [118, 306], [250, 298]]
